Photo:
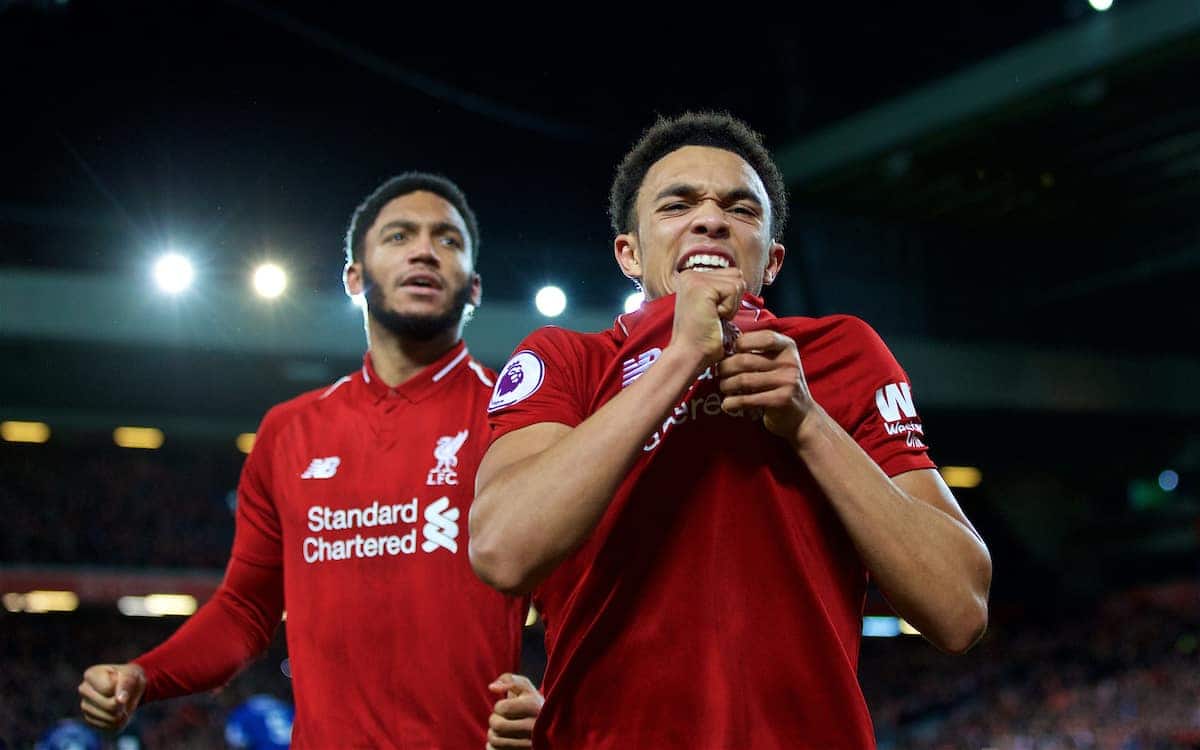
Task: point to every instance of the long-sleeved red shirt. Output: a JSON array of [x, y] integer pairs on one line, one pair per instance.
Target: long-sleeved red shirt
[[718, 602], [352, 515]]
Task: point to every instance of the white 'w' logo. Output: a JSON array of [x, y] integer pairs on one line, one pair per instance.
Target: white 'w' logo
[[440, 527], [895, 400], [633, 368]]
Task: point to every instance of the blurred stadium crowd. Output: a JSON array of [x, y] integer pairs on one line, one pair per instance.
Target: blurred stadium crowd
[[1121, 672]]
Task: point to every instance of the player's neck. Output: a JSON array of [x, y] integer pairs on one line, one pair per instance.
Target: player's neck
[[396, 359]]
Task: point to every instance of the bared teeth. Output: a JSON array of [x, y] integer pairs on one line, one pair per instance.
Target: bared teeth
[[702, 261]]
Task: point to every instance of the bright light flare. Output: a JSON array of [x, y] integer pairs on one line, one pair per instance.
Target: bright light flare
[[965, 477], [634, 301], [245, 442], [1100, 5], [550, 301], [147, 438], [41, 601], [25, 432], [1168, 480], [157, 605], [269, 280], [173, 273]]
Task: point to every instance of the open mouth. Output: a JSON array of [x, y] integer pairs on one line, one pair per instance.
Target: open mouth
[[701, 260], [422, 281]]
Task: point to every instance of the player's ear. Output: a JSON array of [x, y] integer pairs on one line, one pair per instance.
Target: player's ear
[[628, 255], [476, 290], [775, 255], [352, 278]]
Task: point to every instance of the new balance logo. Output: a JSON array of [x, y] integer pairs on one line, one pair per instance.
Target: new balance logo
[[446, 453], [322, 468], [441, 528], [633, 368], [895, 402]]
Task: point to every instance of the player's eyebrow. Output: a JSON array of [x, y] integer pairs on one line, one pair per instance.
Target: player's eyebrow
[[684, 190], [437, 228], [408, 226], [445, 227]]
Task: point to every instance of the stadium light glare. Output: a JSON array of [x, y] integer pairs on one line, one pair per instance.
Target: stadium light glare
[[173, 273], [42, 601], [634, 301], [964, 477], [25, 432], [245, 442], [1100, 5], [550, 301], [1168, 480], [147, 438], [157, 605], [270, 280]]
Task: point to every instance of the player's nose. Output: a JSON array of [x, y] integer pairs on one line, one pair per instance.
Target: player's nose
[[709, 219], [423, 251]]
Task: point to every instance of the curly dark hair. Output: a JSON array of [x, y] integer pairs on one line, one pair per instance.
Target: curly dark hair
[[716, 129], [403, 184]]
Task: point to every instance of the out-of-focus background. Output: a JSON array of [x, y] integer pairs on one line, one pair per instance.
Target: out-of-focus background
[[1007, 192]]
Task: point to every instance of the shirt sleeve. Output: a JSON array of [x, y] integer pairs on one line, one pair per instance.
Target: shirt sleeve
[[257, 535], [540, 383], [881, 413], [231, 629], [238, 622]]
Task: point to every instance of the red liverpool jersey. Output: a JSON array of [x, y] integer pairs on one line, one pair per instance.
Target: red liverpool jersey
[[359, 493], [718, 602]]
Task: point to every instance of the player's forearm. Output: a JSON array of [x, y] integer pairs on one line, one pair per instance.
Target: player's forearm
[[232, 628], [934, 569], [528, 516]]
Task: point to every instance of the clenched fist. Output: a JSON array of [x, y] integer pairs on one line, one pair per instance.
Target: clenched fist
[[512, 719], [703, 300], [110, 693]]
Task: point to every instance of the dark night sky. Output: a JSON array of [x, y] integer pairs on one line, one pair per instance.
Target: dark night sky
[[237, 130]]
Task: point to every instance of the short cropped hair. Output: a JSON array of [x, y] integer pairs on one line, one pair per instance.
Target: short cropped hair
[[410, 182], [716, 129]]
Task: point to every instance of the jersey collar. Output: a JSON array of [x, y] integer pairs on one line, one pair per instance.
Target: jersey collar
[[419, 386]]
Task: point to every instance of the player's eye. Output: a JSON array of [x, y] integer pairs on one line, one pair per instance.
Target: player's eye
[[397, 236], [449, 241]]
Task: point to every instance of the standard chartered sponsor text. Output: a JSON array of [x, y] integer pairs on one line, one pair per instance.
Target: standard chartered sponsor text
[[321, 518]]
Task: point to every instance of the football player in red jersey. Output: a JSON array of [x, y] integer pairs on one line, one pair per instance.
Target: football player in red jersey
[[697, 496], [351, 512]]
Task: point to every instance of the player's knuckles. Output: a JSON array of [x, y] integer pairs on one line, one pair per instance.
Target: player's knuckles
[[496, 742], [100, 677], [524, 707], [497, 722], [516, 708], [89, 695], [95, 712]]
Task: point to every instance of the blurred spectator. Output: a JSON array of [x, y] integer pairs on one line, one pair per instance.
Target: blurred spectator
[[109, 506], [43, 656], [1125, 675]]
